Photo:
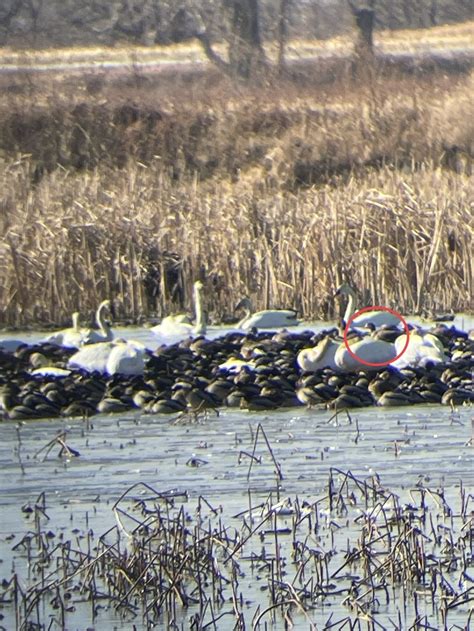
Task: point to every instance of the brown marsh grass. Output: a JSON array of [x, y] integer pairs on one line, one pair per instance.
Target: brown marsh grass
[[295, 133], [404, 238], [280, 191]]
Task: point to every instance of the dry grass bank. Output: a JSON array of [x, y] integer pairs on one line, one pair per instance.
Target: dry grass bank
[[279, 191], [404, 238], [296, 134]]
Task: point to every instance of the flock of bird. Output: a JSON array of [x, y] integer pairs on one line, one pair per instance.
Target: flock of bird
[[248, 368]]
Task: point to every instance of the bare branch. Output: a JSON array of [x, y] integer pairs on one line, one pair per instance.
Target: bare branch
[[203, 37]]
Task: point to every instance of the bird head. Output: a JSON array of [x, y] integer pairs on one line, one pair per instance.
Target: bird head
[[343, 289]]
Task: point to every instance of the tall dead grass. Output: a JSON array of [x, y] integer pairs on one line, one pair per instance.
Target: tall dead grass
[[280, 192], [405, 239]]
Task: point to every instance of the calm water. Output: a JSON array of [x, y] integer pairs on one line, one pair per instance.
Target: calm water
[[116, 452], [144, 335], [433, 448]]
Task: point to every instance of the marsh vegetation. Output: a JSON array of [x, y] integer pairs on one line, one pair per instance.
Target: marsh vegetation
[[247, 521], [132, 187]]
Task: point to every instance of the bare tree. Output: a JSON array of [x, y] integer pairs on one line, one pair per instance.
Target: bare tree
[[28, 11], [35, 8], [8, 12], [365, 22], [246, 57], [283, 17], [246, 54], [241, 24]]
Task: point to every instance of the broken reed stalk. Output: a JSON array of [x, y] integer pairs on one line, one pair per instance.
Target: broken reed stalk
[[278, 471], [65, 450]]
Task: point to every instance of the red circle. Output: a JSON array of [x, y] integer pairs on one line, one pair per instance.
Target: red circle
[[377, 308]]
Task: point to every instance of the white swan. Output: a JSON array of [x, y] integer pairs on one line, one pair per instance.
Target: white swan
[[268, 319], [72, 337], [50, 371], [320, 356], [42, 367], [127, 358], [367, 349], [378, 318], [104, 333], [179, 318], [421, 349], [76, 336], [234, 365], [124, 357], [179, 325]]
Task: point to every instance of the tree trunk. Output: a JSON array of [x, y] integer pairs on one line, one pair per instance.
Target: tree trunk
[[7, 16], [246, 56], [36, 7], [365, 19], [282, 32], [363, 63]]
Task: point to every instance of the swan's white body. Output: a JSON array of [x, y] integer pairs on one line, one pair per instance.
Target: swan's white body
[[173, 320], [378, 318], [92, 358], [110, 358], [179, 325], [267, 319], [76, 336], [42, 367], [50, 371], [234, 365], [72, 337], [320, 356], [127, 358], [368, 349], [421, 349], [169, 327]]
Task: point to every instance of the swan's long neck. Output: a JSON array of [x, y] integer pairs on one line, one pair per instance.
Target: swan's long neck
[[75, 321], [200, 325], [351, 306], [321, 349], [100, 318]]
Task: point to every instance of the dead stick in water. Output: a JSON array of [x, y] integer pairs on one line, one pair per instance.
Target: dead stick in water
[[249, 536], [288, 602], [277, 466]]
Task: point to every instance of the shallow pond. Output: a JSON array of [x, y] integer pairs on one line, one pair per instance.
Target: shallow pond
[[225, 469], [424, 445], [462, 321]]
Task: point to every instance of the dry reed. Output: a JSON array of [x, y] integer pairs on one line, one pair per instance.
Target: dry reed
[[357, 545], [70, 242], [281, 192]]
